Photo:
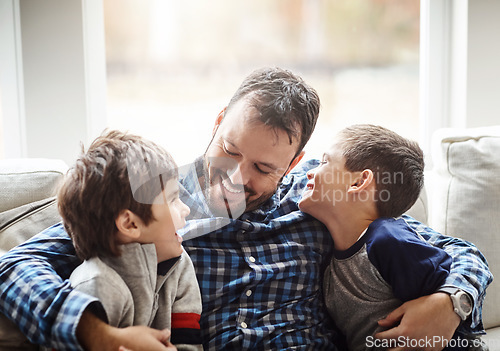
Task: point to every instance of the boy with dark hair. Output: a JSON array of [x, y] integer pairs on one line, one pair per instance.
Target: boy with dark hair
[[120, 205], [366, 180]]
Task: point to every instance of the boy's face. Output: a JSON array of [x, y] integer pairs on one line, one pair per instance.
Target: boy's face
[[327, 188], [169, 215]]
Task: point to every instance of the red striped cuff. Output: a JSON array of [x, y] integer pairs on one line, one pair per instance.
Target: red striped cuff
[[185, 320]]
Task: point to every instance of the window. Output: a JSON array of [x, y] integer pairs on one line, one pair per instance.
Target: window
[[173, 65]]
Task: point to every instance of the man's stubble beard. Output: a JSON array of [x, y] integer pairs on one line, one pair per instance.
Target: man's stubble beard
[[220, 207]]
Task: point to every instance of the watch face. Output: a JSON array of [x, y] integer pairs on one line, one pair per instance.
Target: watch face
[[465, 303]]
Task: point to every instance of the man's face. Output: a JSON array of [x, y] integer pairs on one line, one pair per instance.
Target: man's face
[[246, 160]]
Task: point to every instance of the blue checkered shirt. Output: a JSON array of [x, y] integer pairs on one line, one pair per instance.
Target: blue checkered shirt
[[260, 275]]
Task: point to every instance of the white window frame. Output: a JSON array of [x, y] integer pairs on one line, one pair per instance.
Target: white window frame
[[11, 81], [443, 71]]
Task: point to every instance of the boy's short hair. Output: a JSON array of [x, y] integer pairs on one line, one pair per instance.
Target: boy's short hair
[[396, 162], [119, 171]]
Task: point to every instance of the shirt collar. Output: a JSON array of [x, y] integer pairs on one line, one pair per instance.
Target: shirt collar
[[201, 220]]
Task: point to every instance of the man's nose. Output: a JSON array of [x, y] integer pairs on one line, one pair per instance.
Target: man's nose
[[239, 174], [310, 175]]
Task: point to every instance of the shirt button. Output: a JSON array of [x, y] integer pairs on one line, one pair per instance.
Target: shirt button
[[244, 325], [251, 259], [248, 293]]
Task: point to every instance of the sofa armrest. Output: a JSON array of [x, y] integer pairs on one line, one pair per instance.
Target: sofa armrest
[[27, 180], [464, 196]]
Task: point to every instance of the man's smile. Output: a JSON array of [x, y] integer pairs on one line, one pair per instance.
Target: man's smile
[[232, 188]]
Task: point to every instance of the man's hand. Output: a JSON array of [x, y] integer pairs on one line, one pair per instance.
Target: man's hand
[[95, 335], [428, 320]]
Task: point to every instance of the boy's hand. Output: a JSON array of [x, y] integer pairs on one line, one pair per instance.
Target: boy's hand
[[141, 338], [427, 322], [95, 335], [170, 347]]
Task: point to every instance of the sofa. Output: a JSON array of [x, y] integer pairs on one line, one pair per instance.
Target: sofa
[[461, 198]]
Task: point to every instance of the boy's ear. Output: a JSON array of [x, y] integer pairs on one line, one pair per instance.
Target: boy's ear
[[218, 121], [128, 225], [362, 182], [295, 162]]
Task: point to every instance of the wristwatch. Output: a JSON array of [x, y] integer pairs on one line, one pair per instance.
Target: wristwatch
[[462, 303]]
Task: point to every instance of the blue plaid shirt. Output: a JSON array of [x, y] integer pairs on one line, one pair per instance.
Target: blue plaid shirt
[[260, 275]]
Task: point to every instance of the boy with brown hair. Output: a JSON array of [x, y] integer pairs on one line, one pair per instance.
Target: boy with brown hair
[[120, 204], [365, 182]]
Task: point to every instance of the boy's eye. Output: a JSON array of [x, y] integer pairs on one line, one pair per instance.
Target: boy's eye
[[174, 198]]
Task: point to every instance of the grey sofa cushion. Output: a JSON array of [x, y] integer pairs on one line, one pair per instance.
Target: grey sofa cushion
[[23, 181], [21, 223], [419, 210], [465, 199]]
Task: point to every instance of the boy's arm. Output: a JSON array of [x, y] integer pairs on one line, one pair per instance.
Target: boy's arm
[[95, 335], [469, 270], [186, 310], [411, 266], [432, 316]]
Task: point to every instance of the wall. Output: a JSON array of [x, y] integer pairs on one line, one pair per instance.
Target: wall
[[61, 83], [483, 74], [54, 79]]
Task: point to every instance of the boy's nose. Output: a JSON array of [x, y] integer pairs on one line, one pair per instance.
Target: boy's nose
[[310, 175], [185, 210]]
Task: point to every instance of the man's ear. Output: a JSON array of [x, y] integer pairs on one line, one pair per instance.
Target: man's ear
[[362, 182], [295, 161], [128, 225], [218, 121]]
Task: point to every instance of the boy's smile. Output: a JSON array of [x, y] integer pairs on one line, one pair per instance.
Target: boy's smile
[[327, 186]]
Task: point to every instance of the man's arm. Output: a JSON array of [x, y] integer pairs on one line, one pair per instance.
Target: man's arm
[[429, 317], [433, 315], [36, 294]]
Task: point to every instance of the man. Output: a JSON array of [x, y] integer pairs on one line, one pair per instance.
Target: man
[[259, 260]]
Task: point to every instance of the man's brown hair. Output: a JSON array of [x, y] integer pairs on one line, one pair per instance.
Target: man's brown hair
[[396, 162], [119, 171], [284, 101]]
